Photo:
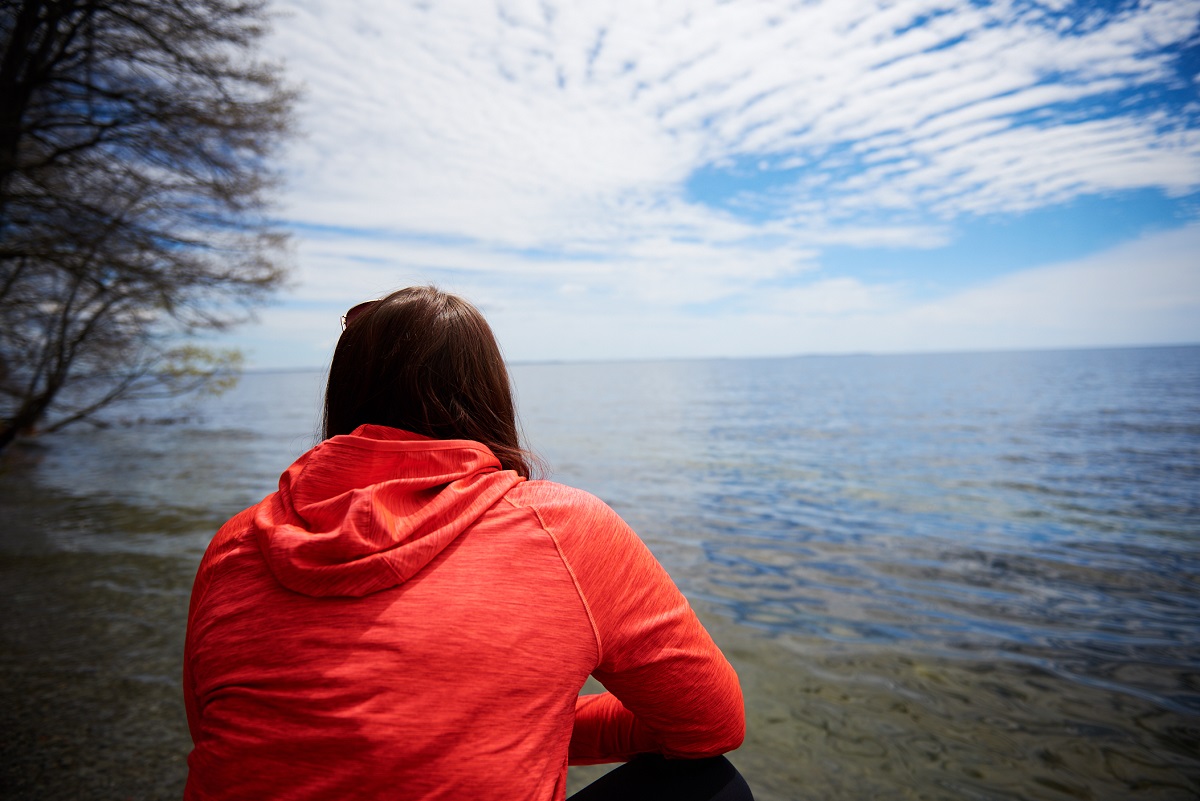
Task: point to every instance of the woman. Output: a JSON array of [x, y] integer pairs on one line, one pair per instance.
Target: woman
[[410, 617]]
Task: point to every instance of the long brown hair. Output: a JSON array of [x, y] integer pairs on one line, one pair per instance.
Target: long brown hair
[[427, 362]]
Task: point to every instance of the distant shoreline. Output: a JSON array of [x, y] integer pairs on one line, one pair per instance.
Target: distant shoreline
[[784, 357]]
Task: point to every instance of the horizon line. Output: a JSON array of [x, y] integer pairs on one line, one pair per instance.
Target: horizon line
[[807, 355]]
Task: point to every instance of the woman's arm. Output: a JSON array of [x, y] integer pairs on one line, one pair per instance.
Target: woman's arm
[[671, 690]]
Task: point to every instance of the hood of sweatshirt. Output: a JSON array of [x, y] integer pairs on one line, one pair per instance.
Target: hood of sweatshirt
[[363, 512]]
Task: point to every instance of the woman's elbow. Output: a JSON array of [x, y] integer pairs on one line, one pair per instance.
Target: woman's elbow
[[731, 735], [720, 736]]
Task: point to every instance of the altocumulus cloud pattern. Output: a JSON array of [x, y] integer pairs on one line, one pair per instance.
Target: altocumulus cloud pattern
[[711, 178]]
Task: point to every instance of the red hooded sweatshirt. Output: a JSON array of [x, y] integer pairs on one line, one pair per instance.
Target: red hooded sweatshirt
[[404, 619]]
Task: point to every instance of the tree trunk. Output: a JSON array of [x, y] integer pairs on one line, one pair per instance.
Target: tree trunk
[[23, 422], [15, 90]]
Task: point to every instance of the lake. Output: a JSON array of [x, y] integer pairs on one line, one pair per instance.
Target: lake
[[939, 576]]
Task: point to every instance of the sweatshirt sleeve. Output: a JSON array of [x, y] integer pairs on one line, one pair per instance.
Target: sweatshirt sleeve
[[220, 546], [670, 689]]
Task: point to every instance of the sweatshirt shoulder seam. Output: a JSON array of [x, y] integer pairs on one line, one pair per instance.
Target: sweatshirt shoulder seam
[[587, 607]]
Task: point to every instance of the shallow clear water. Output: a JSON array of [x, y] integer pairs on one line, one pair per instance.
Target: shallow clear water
[[944, 576]]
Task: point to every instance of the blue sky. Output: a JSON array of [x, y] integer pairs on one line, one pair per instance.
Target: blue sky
[[688, 178]]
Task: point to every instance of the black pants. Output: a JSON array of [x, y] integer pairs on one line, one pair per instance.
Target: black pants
[[652, 778]]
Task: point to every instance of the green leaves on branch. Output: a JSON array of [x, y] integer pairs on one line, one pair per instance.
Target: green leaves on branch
[[189, 368]]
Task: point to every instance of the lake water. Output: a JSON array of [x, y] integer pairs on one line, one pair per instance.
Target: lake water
[[939, 576]]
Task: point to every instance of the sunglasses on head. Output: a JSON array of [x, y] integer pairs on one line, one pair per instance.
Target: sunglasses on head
[[356, 312]]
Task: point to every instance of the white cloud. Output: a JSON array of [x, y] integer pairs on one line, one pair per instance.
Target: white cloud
[[1144, 292], [545, 123], [533, 155], [1140, 293]]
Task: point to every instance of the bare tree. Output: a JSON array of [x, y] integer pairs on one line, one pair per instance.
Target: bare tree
[[134, 177]]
